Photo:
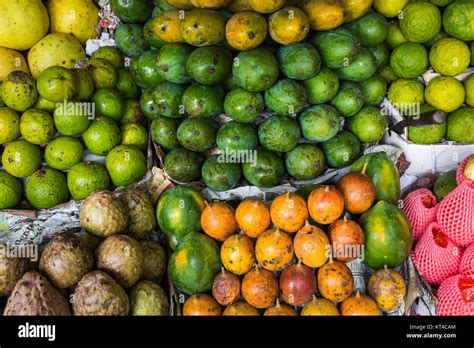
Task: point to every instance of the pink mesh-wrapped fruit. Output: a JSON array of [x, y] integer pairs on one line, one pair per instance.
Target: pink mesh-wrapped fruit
[[456, 297], [436, 257], [456, 214], [420, 207], [467, 263]]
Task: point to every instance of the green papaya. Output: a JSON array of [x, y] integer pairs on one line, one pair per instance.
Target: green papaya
[[178, 213], [383, 173], [194, 264], [388, 236]]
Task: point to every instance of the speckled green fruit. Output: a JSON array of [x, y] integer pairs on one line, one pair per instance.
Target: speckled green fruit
[[45, 105], [235, 136], [243, 106], [111, 54], [70, 119], [130, 40], [279, 133], [381, 53], [37, 126], [164, 132], [409, 60], [203, 101], [147, 70], [255, 70], [171, 62], [305, 162], [197, 134], [337, 47], [148, 104], [368, 125], [420, 21], [363, 67], [9, 125], [395, 36], [202, 27], [209, 65], [10, 190], [266, 169], [220, 175], [102, 136], [21, 158], [168, 99], [133, 113], [18, 91], [126, 164], [85, 178], [286, 97], [63, 152], [348, 100], [109, 102], [135, 134], [103, 73], [84, 84], [373, 90], [127, 86], [322, 87], [341, 150], [56, 84], [132, 11], [46, 188], [183, 165], [320, 123], [300, 61]]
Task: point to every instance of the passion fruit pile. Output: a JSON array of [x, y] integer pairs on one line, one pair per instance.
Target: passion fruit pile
[[288, 256], [59, 130], [256, 89], [111, 269]]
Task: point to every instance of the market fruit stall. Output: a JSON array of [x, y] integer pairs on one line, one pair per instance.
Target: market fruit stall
[[229, 157]]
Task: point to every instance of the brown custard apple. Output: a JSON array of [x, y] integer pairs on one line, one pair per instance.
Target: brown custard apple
[[141, 212]]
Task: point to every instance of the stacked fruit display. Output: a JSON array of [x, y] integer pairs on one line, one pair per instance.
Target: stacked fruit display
[[120, 277], [435, 34], [59, 115], [445, 238], [246, 257], [211, 57]]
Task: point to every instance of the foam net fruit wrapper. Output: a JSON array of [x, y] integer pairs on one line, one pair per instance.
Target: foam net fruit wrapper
[[467, 263], [420, 208], [456, 214], [436, 257], [456, 297], [460, 172]]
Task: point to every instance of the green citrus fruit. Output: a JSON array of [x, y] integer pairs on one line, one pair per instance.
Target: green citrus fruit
[[37, 126], [420, 21], [368, 124], [371, 29], [10, 190], [406, 96], [126, 164], [110, 54], [85, 178], [72, 118], [63, 152], [409, 60], [102, 136], [469, 88], [390, 8], [18, 91], [56, 84], [458, 20], [445, 93], [109, 102], [135, 134], [373, 90], [395, 36], [21, 158], [9, 125], [450, 57], [46, 188]]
